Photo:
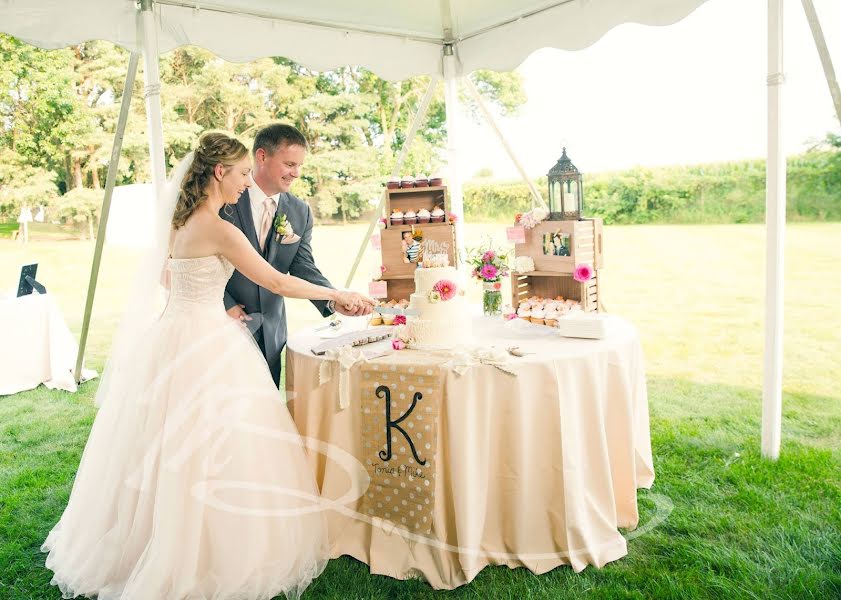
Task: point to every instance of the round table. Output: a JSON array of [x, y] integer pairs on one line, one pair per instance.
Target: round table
[[536, 461]]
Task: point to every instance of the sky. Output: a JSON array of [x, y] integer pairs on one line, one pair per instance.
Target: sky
[[687, 93]]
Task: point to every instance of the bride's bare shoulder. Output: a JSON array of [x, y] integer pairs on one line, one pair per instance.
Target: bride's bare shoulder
[[227, 232]]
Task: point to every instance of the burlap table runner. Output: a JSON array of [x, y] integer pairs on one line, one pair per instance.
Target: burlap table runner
[[400, 406]]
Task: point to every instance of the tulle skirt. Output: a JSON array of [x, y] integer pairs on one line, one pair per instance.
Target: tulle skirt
[[194, 482]]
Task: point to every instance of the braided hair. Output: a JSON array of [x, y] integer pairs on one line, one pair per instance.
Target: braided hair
[[213, 149]]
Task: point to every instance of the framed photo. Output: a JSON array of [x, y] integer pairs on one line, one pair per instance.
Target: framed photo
[[24, 286], [556, 243]]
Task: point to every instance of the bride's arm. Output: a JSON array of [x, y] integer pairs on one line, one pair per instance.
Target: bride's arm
[[237, 249]]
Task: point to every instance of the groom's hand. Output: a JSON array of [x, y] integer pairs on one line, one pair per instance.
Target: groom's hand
[[353, 304], [357, 311], [237, 312]]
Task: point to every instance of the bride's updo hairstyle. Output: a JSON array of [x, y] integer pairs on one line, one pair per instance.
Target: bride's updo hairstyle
[[213, 149]]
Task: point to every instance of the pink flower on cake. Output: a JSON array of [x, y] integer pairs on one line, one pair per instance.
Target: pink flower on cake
[[400, 320], [398, 344], [446, 288], [489, 272], [383, 268], [583, 272]]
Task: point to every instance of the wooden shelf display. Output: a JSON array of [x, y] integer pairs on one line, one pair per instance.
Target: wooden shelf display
[[558, 246], [550, 284], [436, 238], [415, 199], [399, 289]]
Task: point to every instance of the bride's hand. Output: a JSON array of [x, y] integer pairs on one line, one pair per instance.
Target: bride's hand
[[353, 304]]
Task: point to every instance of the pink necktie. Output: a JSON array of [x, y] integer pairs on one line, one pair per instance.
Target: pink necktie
[[268, 219]]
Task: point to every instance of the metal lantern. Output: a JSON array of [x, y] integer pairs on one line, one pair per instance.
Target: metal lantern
[[566, 191]]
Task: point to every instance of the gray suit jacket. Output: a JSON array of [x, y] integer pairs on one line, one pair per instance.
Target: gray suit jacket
[[295, 259]]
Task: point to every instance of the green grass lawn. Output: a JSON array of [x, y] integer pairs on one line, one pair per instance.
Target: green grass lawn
[[741, 527]]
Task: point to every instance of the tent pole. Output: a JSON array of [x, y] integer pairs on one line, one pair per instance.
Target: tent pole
[[152, 94], [775, 211], [452, 75], [420, 116], [492, 122], [823, 52], [106, 208]]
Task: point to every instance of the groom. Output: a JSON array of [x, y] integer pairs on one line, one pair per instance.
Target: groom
[[279, 152]]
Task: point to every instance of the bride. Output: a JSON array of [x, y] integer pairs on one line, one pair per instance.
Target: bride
[[194, 482]]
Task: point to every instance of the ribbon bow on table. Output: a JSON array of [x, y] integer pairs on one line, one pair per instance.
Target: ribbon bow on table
[[344, 359], [463, 360]]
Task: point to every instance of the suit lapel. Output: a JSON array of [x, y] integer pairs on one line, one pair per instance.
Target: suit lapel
[[271, 244], [246, 219]]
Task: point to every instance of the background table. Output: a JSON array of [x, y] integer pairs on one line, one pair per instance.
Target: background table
[[534, 470], [36, 346]]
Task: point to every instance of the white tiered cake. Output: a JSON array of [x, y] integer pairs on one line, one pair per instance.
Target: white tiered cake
[[443, 319]]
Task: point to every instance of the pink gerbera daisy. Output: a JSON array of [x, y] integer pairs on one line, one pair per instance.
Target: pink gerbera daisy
[[489, 272], [446, 289]]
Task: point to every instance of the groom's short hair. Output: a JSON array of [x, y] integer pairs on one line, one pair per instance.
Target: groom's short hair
[[277, 135]]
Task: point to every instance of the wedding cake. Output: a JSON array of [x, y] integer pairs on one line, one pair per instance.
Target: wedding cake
[[442, 319]]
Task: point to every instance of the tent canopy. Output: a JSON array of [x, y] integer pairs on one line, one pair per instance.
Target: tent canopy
[[394, 38]]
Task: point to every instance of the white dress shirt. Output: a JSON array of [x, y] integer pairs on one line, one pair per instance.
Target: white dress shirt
[[258, 198]]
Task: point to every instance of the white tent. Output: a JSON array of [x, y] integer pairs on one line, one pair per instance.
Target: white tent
[[395, 39]]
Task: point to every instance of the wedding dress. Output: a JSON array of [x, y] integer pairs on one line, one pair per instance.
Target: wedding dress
[[194, 482]]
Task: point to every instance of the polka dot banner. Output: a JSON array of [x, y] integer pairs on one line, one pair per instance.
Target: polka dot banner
[[400, 406]]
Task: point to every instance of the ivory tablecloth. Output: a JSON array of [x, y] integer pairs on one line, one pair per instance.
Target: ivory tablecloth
[[534, 470], [36, 346]]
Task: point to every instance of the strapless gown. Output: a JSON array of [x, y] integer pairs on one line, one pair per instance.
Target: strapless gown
[[194, 482]]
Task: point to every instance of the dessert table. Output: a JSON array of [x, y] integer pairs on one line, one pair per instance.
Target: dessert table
[[36, 346], [531, 460]]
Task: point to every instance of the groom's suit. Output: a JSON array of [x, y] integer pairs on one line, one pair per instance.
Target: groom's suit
[[295, 259]]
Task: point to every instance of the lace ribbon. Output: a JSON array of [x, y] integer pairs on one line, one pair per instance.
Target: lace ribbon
[[344, 359]]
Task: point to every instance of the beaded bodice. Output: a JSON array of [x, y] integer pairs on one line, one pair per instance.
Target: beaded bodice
[[198, 280]]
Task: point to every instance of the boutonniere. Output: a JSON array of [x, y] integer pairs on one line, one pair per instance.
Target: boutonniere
[[282, 227]]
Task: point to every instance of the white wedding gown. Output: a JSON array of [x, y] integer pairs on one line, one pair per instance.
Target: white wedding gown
[[194, 482]]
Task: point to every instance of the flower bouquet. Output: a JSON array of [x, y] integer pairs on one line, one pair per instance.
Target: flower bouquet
[[489, 266]]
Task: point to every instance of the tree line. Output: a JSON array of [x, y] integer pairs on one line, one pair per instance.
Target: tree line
[[59, 108], [726, 192]]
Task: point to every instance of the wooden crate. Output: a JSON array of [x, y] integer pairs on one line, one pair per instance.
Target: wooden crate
[[438, 238], [551, 284], [399, 289], [581, 240], [415, 199]]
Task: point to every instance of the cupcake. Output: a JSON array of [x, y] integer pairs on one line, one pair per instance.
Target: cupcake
[[388, 319], [397, 217], [552, 317], [407, 182], [410, 218], [393, 183], [436, 181], [376, 319], [524, 313], [404, 303], [421, 181], [437, 215], [538, 316], [423, 216]]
